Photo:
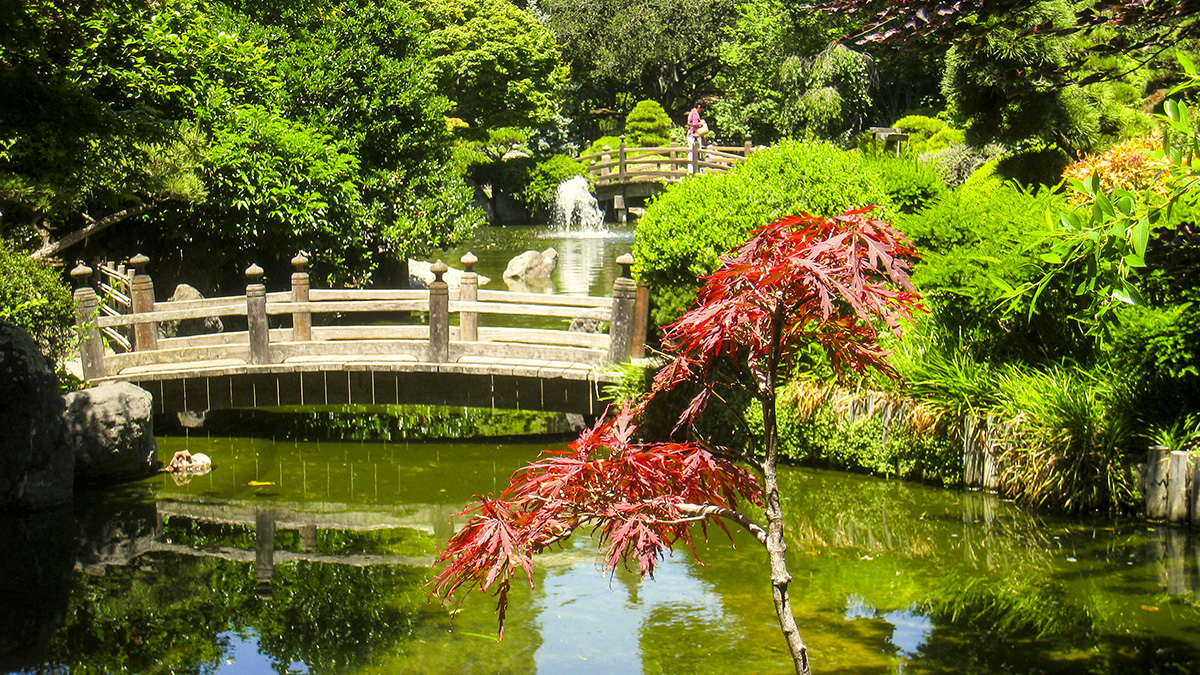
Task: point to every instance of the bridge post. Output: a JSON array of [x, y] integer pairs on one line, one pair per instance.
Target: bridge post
[[141, 300], [620, 329], [641, 321], [468, 291], [301, 321], [621, 160], [256, 316], [439, 315], [747, 147], [91, 349]]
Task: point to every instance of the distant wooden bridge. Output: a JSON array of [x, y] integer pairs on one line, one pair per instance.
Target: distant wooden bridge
[[624, 174], [286, 358]]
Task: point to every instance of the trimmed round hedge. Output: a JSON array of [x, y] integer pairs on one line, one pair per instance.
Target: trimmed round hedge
[[687, 228]]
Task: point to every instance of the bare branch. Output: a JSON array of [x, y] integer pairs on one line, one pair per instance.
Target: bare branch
[[88, 230], [711, 511]]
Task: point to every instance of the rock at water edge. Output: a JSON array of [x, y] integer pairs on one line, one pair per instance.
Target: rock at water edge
[[111, 430]]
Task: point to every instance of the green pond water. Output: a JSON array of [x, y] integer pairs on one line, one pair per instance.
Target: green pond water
[[312, 557]]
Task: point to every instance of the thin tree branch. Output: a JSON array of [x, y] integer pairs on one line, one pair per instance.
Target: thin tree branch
[[713, 511], [91, 228]]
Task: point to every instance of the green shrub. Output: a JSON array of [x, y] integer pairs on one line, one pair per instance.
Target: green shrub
[[1157, 351], [910, 184], [956, 163], [688, 226], [611, 142], [928, 134], [543, 179], [647, 126], [866, 444], [968, 239], [1066, 446], [35, 297]]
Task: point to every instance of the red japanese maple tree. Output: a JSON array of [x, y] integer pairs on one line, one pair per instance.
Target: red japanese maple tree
[[795, 282]]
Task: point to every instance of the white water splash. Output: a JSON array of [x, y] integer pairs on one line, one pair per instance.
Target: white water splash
[[575, 208]]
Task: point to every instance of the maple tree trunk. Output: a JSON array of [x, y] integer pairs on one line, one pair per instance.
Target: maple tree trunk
[[776, 547]]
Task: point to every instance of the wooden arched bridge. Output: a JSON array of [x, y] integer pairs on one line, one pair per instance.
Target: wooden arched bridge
[[304, 346], [624, 174]]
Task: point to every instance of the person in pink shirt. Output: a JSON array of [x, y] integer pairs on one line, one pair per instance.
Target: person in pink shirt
[[694, 122], [696, 128]]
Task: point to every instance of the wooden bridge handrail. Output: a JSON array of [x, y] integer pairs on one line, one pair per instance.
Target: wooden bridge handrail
[[435, 342], [158, 316], [532, 310]]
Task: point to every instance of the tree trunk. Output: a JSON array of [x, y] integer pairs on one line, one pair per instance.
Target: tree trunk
[[776, 547]]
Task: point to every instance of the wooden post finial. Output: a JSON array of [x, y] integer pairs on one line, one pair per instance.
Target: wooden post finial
[[80, 274], [254, 273], [300, 261], [468, 261], [438, 268], [139, 263]]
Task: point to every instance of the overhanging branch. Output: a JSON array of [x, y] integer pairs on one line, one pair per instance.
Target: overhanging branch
[[88, 230]]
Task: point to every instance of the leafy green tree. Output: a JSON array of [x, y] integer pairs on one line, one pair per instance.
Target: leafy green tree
[[622, 51], [495, 61], [92, 125]]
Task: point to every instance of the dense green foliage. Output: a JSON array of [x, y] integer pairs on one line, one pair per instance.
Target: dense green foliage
[[33, 296], [688, 227]]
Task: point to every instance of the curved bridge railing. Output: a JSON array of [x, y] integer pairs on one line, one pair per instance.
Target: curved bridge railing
[[624, 165], [305, 330]]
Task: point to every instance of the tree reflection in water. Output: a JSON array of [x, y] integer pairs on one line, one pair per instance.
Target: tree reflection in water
[[897, 578]]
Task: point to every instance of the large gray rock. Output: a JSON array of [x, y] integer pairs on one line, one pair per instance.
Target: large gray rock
[[36, 465], [110, 428], [186, 327], [532, 265]]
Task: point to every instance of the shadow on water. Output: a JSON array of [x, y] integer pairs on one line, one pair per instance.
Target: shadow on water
[[312, 557]]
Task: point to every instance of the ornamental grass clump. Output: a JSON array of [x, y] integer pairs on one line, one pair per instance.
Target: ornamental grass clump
[[1067, 439]]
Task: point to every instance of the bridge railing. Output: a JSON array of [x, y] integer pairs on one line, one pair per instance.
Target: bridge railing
[[335, 333], [626, 164]]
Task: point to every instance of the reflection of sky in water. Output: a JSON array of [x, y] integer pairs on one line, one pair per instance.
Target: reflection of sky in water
[[909, 629], [589, 624], [242, 657]]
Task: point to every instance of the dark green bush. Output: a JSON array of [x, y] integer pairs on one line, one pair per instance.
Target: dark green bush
[[1042, 165], [968, 239], [35, 297], [687, 227]]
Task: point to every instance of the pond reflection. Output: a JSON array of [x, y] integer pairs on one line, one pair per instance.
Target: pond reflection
[[313, 557]]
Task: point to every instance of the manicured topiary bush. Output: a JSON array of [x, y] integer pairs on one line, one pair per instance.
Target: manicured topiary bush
[[647, 126], [693, 222]]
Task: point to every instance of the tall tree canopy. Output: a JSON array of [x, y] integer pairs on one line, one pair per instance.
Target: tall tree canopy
[[662, 50]]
